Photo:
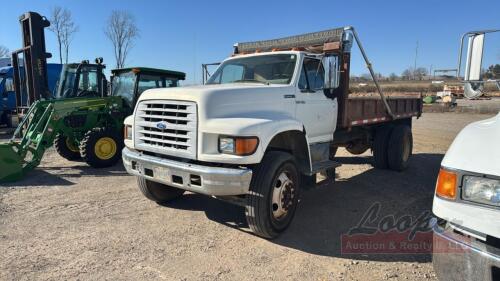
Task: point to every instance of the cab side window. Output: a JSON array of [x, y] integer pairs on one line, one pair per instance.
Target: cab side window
[[312, 76]]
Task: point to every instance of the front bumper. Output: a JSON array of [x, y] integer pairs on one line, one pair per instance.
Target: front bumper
[[457, 257], [207, 180]]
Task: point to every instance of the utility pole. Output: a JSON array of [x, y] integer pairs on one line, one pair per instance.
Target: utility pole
[[415, 63]]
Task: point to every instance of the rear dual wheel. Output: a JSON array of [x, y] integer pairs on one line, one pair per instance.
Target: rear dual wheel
[[101, 147], [392, 147]]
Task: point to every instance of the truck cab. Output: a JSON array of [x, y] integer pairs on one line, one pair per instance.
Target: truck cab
[[266, 122], [130, 83], [8, 95]]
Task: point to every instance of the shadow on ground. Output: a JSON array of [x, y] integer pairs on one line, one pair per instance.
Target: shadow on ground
[[329, 211], [61, 175]]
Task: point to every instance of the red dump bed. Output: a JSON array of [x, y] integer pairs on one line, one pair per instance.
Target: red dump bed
[[359, 110]]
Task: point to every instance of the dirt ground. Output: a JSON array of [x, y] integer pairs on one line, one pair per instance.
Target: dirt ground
[[68, 221]]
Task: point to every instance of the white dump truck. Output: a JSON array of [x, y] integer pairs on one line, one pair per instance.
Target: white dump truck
[[266, 122]]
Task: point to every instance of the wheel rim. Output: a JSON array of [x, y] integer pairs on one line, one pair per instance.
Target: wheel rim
[[105, 148], [406, 148], [71, 145], [283, 196]]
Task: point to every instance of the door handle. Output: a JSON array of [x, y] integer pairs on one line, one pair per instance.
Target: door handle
[[289, 96]]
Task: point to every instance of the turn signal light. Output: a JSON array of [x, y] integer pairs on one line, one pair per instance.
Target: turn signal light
[[246, 146], [446, 186]]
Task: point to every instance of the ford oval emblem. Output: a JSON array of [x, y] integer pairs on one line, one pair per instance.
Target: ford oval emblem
[[161, 125]]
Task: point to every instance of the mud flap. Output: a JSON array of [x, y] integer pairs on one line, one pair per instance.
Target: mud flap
[[11, 168]]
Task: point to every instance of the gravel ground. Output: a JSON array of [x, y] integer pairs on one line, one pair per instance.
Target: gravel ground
[[68, 221]]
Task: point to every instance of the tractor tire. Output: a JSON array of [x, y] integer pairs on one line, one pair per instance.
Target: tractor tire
[[66, 148], [400, 148], [380, 145], [101, 147], [157, 192], [274, 195]]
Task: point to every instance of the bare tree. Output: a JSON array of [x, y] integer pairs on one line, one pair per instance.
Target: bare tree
[[61, 23], [4, 52], [122, 31], [420, 73]]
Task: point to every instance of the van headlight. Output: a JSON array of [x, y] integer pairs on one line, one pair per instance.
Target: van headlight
[[481, 190]]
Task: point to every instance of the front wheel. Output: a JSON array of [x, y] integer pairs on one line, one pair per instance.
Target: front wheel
[[101, 147], [273, 195], [66, 148], [158, 192]]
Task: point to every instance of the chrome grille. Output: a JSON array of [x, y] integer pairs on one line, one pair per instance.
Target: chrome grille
[[166, 127]]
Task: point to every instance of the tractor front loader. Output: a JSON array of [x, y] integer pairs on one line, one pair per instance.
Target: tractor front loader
[[88, 127], [82, 121]]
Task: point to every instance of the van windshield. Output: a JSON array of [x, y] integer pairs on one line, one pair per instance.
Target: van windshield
[[267, 69]]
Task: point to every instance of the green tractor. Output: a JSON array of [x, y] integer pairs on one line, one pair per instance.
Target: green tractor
[[82, 121]]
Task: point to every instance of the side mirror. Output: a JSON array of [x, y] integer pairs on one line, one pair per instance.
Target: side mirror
[[474, 58], [332, 71]]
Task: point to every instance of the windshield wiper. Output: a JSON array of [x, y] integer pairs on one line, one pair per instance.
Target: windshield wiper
[[250, 80]]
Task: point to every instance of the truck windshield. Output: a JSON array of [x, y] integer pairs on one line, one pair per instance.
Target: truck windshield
[[267, 69]]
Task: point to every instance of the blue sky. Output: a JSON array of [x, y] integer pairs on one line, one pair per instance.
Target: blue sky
[[181, 35]]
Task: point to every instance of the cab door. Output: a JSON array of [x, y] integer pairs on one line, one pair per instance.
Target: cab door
[[317, 112]]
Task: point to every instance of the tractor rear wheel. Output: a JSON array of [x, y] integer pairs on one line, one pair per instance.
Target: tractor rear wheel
[[67, 148], [101, 147]]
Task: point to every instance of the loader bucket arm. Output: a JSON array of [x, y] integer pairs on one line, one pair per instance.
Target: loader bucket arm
[[37, 134], [44, 120]]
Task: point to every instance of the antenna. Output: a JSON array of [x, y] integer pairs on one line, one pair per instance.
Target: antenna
[[415, 63]]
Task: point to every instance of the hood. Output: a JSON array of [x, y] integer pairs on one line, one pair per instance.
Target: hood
[[476, 148], [228, 100]]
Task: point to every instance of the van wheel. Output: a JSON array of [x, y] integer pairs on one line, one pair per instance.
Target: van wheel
[[66, 147], [380, 145], [160, 193], [273, 195], [400, 148], [101, 148]]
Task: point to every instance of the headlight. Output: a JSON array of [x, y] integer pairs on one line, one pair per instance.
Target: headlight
[[128, 132], [481, 190], [238, 145]]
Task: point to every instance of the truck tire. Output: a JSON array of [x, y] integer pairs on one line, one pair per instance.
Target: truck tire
[[101, 147], [380, 145], [400, 148], [66, 148], [333, 151], [8, 120], [157, 192], [273, 195], [357, 148]]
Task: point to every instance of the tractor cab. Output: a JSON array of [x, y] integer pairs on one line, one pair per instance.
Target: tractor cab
[[82, 80], [130, 83]]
